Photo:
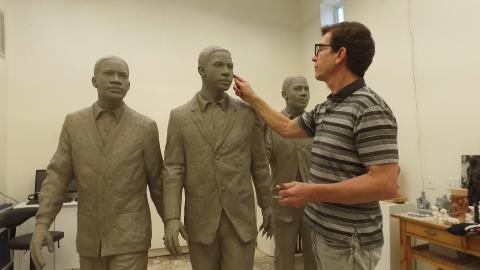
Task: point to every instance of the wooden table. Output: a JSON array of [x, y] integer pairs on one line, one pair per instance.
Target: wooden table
[[432, 233]]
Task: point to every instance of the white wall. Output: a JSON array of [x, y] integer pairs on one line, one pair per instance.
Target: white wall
[[391, 75], [435, 42], [3, 115], [447, 83], [310, 34], [53, 46]]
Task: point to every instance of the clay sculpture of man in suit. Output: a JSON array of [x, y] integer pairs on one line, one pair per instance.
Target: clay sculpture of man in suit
[[290, 159], [215, 149], [113, 152]]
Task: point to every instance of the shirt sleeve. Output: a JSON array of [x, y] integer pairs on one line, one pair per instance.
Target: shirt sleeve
[[307, 121], [375, 136], [153, 166], [174, 169], [259, 169], [59, 175]]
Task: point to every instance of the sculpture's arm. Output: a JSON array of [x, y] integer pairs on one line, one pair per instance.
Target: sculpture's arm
[[59, 175], [54, 187], [262, 180], [173, 182], [173, 170], [153, 166]]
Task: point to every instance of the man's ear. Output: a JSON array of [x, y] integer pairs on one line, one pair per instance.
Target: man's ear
[[94, 82], [284, 95], [202, 72], [341, 55]]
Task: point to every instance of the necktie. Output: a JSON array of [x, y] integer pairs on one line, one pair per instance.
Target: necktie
[[105, 123]]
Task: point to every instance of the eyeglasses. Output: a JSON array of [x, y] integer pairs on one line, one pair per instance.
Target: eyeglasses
[[318, 46]]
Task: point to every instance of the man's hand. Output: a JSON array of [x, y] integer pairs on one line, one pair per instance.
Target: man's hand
[[40, 237], [243, 89], [267, 224], [295, 194], [172, 228]]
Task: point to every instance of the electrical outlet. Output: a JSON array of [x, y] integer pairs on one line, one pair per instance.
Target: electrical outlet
[[453, 182], [429, 182]]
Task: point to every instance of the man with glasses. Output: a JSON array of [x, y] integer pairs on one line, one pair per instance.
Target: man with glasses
[[354, 152]]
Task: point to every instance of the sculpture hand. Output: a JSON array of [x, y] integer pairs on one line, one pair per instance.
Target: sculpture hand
[[40, 237], [267, 224], [172, 228], [243, 89]]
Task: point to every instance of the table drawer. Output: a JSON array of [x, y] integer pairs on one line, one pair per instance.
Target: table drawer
[[438, 235], [473, 243]]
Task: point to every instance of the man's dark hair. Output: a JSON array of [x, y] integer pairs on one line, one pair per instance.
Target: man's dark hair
[[358, 41]]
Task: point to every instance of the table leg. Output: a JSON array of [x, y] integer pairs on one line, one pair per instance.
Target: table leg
[[405, 248]]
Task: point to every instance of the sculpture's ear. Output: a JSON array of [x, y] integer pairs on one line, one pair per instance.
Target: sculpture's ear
[[201, 71], [94, 82], [284, 95]]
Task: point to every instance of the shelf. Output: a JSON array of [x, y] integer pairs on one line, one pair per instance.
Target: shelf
[[422, 252]]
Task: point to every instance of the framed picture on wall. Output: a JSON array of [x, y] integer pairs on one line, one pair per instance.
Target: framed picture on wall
[[471, 176], [2, 33]]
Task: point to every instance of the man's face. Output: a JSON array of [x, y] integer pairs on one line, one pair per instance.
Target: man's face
[[111, 80], [324, 61], [218, 72], [297, 95]]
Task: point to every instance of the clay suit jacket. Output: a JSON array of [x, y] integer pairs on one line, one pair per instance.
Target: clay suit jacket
[[287, 158], [216, 175], [113, 213]]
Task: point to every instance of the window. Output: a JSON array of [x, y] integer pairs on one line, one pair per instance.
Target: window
[[338, 12], [331, 11]]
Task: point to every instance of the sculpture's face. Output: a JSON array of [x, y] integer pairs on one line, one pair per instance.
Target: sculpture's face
[[298, 94], [112, 80], [219, 71]]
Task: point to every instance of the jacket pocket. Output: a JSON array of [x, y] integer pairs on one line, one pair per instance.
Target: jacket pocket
[[87, 233], [131, 229]]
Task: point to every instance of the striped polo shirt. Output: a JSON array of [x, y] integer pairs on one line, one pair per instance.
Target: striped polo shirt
[[352, 130]]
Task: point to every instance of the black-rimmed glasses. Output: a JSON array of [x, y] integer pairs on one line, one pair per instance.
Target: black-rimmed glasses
[[318, 46]]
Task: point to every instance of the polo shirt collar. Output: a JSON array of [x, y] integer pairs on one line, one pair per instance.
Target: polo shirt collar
[[347, 90]]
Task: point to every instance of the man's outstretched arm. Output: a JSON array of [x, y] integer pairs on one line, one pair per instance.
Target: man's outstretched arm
[[278, 122]]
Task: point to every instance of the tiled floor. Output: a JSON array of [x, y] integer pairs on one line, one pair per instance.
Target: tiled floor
[[262, 262]]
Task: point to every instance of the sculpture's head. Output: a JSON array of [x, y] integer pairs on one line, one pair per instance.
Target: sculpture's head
[[111, 78], [296, 92], [215, 66]]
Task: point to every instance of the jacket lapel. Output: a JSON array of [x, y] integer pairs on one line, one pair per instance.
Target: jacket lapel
[[196, 115], [229, 122]]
